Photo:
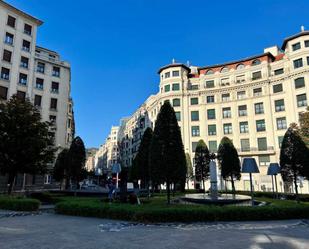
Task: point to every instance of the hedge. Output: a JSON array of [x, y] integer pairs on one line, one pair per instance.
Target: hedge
[[179, 213], [18, 204]]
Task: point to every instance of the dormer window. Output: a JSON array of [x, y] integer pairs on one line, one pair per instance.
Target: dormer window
[[240, 66], [209, 72], [256, 62], [224, 69]]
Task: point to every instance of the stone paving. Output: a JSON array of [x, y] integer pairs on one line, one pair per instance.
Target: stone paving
[[48, 231]]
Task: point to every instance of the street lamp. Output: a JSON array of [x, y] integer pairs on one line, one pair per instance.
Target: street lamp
[[249, 166], [273, 170]]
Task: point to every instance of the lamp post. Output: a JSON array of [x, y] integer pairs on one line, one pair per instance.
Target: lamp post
[[249, 166], [273, 170]]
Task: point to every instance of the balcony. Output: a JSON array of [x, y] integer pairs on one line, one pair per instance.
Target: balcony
[[248, 151]]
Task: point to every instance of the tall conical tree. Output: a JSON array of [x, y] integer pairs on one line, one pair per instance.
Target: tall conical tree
[[229, 161], [167, 157], [141, 167], [189, 169], [202, 159], [61, 166], [293, 157]]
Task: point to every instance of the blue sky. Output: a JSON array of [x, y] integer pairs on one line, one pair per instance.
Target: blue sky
[[116, 47]]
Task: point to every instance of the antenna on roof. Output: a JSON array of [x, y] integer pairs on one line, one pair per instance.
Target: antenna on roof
[[173, 61], [302, 28]]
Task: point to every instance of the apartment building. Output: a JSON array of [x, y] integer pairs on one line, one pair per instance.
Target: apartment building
[[35, 73], [252, 101]]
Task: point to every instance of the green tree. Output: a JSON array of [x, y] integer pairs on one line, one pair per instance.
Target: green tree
[[229, 161], [76, 160], [304, 126], [202, 159], [26, 143], [141, 167], [293, 157], [189, 168], [167, 157], [60, 169]]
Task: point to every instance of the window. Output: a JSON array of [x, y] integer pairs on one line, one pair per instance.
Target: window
[[210, 84], [11, 21], [211, 114], [21, 95], [279, 71], [307, 43], [53, 104], [194, 101], [9, 38], [52, 118], [226, 112], [55, 87], [225, 97], [3, 93], [212, 146], [175, 86], [167, 75], [296, 46], [241, 95], [56, 71], [279, 105], [227, 129], [175, 73], [257, 92], [224, 69], [212, 130], [23, 79], [298, 63], [242, 110], [27, 29], [260, 125], [178, 116], [7, 55], [225, 82], [195, 116], [195, 131], [37, 100], [245, 144], [281, 123], [210, 99], [256, 75], [40, 67], [264, 160], [176, 102], [307, 60], [26, 46], [5, 73], [39, 83], [280, 139], [209, 72], [256, 62], [243, 127], [301, 100], [193, 87], [262, 143], [194, 144], [167, 88], [240, 78], [299, 82], [277, 88], [240, 66], [259, 108], [24, 62]]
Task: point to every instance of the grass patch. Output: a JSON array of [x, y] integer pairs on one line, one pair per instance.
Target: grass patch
[[19, 203], [156, 210]]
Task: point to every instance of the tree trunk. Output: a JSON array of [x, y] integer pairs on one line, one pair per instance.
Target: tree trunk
[[11, 181], [296, 188], [233, 185], [168, 191]]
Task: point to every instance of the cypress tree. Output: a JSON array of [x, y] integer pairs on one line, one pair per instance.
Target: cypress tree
[[61, 166], [189, 168], [202, 159], [229, 161], [167, 157]]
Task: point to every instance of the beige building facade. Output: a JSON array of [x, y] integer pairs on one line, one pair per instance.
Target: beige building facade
[[252, 101], [35, 73]]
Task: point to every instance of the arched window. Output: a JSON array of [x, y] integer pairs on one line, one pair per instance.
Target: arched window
[[224, 69], [209, 72], [240, 66], [256, 62]]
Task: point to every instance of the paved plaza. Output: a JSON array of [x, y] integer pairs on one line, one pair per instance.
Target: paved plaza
[[47, 230]]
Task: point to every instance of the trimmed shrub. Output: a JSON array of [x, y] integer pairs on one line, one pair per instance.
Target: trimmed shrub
[[19, 204]]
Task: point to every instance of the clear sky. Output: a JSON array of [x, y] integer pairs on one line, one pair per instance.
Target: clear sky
[[116, 47]]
